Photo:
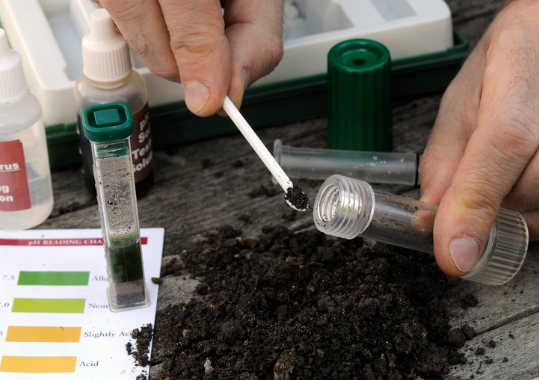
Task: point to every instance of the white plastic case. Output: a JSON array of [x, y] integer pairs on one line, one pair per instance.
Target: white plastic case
[[47, 34]]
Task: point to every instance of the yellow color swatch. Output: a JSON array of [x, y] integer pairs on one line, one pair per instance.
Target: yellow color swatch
[[43, 334], [38, 364]]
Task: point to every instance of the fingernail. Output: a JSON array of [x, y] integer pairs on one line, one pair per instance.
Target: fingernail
[[196, 95], [245, 79], [464, 252]]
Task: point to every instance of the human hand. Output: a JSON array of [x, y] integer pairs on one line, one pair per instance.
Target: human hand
[[483, 151], [211, 53]]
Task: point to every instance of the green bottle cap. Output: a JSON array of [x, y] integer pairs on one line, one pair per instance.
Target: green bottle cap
[[107, 122], [359, 98]]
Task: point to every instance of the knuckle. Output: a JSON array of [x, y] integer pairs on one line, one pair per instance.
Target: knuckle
[[194, 30], [275, 51], [483, 204], [143, 47], [194, 51], [140, 44], [516, 138], [197, 44]]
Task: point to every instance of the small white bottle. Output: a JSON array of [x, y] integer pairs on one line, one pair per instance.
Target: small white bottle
[[25, 180]]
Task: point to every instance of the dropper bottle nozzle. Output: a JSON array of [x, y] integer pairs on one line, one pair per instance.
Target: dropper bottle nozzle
[[104, 51], [11, 72]]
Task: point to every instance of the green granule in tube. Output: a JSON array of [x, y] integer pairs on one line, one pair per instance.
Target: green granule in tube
[[125, 259]]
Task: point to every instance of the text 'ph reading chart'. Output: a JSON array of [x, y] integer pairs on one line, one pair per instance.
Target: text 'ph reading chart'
[[55, 321]]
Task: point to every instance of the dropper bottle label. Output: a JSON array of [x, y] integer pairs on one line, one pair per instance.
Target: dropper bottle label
[[14, 190], [141, 144]]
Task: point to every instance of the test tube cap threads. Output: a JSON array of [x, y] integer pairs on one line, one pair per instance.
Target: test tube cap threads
[[107, 122], [359, 96]]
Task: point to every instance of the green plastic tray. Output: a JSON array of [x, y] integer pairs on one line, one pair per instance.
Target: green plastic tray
[[295, 99]]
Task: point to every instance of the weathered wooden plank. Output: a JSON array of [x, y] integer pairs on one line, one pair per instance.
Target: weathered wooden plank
[[515, 355], [500, 305]]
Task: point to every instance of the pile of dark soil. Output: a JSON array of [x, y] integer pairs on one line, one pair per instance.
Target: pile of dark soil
[[303, 306]]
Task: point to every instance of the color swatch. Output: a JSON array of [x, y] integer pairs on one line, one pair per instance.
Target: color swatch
[[43, 334], [54, 278], [38, 364], [48, 305]]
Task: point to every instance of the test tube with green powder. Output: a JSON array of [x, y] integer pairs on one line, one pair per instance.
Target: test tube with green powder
[[108, 128]]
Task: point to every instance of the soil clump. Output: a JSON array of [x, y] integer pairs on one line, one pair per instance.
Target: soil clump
[[297, 198], [301, 305], [140, 351]]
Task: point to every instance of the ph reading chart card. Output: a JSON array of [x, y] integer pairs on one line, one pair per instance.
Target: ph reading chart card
[[55, 321]]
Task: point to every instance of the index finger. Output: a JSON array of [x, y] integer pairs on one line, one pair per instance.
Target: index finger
[[201, 50]]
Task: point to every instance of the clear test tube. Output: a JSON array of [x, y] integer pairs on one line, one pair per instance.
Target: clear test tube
[[377, 167], [108, 128], [347, 208]]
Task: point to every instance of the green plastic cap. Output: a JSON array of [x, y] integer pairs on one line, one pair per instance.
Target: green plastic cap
[[107, 122], [359, 96]]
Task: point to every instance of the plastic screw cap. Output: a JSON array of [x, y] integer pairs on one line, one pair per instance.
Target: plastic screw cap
[[359, 97], [12, 82], [107, 122], [105, 53]]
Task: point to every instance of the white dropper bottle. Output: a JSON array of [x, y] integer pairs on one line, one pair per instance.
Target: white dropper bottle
[[25, 180], [108, 77]]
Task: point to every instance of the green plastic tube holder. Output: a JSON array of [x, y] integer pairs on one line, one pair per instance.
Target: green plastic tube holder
[[359, 98]]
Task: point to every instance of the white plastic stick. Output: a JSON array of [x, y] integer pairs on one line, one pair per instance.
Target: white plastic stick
[[258, 146]]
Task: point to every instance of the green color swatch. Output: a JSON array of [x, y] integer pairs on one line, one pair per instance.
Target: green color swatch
[[48, 305], [54, 278]]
